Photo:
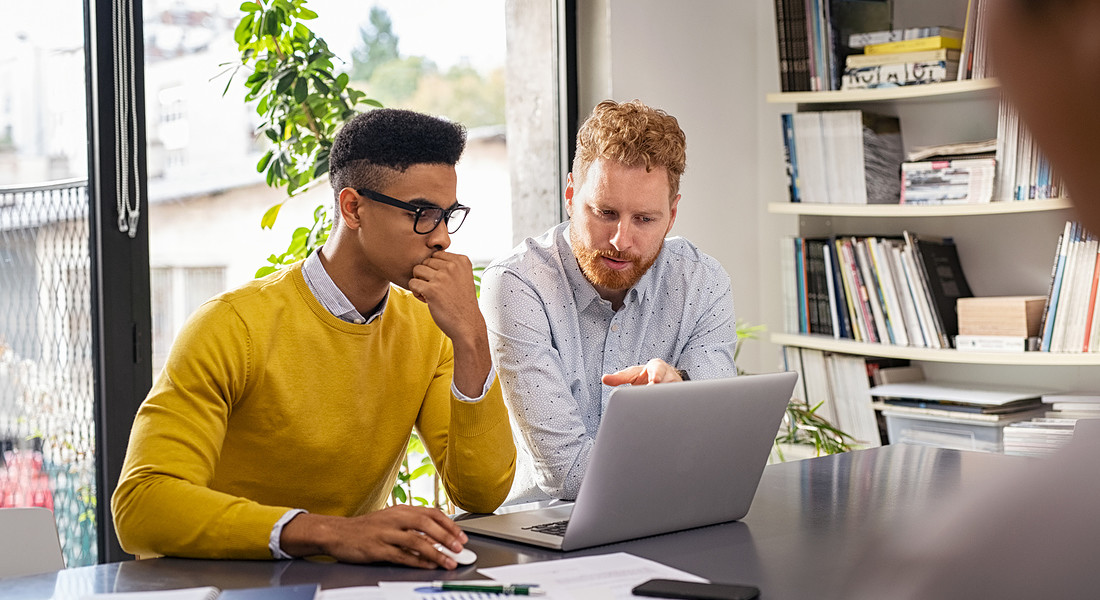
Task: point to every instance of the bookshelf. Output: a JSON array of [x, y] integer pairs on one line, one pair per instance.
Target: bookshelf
[[926, 210], [947, 91], [828, 344], [1007, 248]]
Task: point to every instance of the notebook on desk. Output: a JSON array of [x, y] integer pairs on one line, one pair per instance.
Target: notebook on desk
[[666, 458]]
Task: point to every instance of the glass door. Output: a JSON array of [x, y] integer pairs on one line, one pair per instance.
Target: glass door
[[47, 432]]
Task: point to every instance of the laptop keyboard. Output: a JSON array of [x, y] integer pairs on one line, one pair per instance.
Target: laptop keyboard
[[556, 528]]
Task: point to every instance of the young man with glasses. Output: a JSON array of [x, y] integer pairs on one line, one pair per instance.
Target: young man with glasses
[[282, 416], [603, 299]]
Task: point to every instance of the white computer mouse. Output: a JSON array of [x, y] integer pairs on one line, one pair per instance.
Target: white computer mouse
[[466, 557]]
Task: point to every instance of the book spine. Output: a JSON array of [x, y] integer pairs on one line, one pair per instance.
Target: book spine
[[928, 284], [863, 297], [782, 44], [812, 50], [920, 298], [860, 40], [890, 302], [927, 43], [790, 156], [821, 281], [800, 273], [856, 61], [968, 42], [1084, 297], [813, 289], [789, 284], [800, 61], [1051, 307], [1066, 283], [892, 75], [905, 294], [851, 293], [874, 292], [830, 285], [1092, 330], [993, 343]]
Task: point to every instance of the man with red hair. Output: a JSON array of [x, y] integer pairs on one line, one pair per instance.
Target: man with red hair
[[603, 299]]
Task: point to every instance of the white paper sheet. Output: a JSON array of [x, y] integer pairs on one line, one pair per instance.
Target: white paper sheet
[[601, 576], [362, 592], [970, 393]]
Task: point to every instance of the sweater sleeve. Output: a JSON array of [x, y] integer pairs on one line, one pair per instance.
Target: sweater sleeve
[[470, 443], [163, 504]]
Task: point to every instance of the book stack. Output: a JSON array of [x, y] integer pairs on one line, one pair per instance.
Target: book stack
[[903, 57], [842, 157], [1070, 321], [961, 173], [999, 324], [1050, 432], [948, 181], [886, 290], [1037, 437], [954, 415], [1072, 405]]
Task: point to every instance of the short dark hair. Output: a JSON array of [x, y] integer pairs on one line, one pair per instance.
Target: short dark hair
[[375, 144]]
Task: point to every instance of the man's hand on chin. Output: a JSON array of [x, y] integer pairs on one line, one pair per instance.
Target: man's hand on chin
[[445, 281]]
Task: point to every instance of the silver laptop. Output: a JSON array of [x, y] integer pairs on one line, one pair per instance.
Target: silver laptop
[[666, 458]]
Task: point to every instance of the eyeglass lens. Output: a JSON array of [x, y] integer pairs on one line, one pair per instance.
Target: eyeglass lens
[[430, 217]]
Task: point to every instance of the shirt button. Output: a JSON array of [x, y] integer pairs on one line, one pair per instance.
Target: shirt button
[[615, 327], [359, 321]]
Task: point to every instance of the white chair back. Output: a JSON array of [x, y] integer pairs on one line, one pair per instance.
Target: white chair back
[[30, 544]]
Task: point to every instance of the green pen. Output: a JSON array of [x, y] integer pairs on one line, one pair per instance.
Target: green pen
[[514, 590]]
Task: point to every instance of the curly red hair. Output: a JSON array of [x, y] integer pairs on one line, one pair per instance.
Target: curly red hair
[[634, 135]]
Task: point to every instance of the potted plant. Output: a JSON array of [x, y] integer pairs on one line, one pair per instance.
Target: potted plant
[[803, 433]]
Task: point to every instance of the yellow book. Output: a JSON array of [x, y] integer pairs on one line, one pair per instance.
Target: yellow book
[[927, 43]]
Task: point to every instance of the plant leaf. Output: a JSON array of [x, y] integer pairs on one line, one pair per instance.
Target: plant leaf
[[268, 220]]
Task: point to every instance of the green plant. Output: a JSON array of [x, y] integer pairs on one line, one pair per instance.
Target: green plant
[[801, 423], [302, 101], [416, 464]]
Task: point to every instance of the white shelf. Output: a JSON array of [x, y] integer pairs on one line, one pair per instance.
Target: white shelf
[[917, 210], [1046, 359], [947, 90]]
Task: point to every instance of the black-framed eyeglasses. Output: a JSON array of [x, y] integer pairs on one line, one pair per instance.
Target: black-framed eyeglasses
[[427, 217]]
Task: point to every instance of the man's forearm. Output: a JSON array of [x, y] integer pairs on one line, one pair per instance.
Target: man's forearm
[[306, 534], [472, 364]]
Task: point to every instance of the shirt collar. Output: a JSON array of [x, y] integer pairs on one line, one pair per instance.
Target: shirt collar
[[330, 296]]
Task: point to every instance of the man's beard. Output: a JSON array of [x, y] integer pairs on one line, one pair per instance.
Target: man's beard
[[600, 275]]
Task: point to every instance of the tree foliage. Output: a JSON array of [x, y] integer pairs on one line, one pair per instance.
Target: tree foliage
[[415, 82], [302, 102], [379, 45]]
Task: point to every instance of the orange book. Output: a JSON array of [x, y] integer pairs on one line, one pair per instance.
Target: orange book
[[1092, 304]]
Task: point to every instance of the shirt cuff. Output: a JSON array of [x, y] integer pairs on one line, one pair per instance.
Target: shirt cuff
[[484, 390], [274, 543]]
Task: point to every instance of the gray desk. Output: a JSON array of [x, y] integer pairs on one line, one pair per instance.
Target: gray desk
[[799, 540]]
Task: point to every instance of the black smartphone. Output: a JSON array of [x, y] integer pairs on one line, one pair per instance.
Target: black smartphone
[[690, 590]]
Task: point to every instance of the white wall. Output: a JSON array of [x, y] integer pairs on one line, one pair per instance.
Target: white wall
[[700, 60]]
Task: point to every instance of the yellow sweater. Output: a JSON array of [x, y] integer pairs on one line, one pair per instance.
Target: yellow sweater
[[268, 402]]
